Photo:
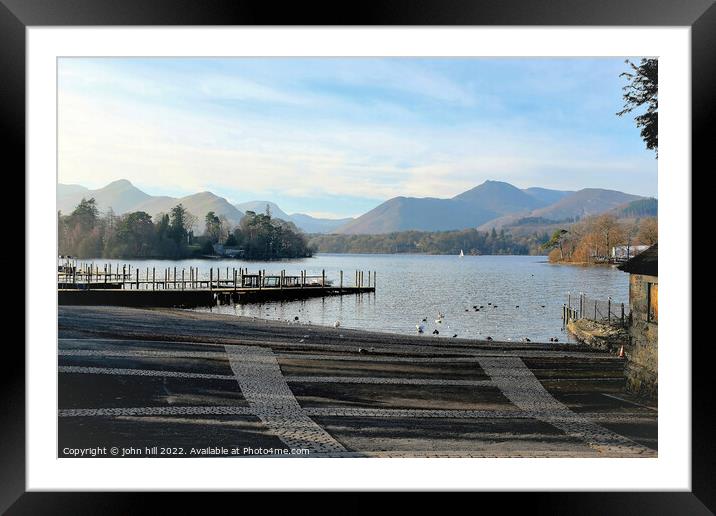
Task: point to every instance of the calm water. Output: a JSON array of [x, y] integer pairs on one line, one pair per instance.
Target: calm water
[[413, 287]]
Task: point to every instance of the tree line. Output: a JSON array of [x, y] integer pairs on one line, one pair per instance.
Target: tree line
[[470, 241], [592, 239], [87, 233]]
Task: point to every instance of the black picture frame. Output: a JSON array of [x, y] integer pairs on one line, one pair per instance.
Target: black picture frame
[[17, 15]]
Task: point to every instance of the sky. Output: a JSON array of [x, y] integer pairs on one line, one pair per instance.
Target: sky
[[334, 137]]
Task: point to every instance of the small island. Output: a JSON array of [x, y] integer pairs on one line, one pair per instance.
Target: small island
[[85, 233]]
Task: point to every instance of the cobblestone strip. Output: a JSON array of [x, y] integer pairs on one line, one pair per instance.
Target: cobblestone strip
[[414, 413], [141, 372], [141, 353], [308, 411], [522, 388], [156, 411], [270, 398], [392, 381]]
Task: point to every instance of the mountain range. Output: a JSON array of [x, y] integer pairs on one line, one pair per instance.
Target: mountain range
[[492, 204]]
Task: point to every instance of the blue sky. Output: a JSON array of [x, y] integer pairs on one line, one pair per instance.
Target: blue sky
[[336, 136]]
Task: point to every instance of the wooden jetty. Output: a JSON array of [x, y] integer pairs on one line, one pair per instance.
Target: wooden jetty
[[88, 284]]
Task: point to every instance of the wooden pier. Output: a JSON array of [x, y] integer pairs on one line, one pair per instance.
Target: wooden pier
[[88, 284]]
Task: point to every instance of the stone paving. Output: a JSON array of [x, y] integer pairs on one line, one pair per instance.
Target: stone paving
[[522, 388], [141, 372], [258, 372], [266, 391], [386, 381]]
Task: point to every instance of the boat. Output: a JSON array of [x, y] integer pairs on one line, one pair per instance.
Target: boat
[[461, 253]]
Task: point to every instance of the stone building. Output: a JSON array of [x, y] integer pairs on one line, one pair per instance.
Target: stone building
[[642, 351]]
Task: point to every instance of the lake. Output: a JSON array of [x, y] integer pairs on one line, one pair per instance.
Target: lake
[[411, 288]]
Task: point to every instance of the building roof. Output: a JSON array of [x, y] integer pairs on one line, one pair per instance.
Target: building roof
[[646, 262]]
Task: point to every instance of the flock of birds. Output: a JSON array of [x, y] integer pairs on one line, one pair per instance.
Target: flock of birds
[[421, 327]]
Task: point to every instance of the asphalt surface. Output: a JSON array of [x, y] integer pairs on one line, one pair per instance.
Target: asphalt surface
[[171, 383]]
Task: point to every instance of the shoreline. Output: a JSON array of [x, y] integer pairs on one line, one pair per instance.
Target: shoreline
[[211, 325]]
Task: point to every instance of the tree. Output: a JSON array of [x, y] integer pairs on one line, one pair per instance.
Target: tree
[[178, 225], [212, 229], [556, 241], [642, 90], [649, 231], [85, 214]]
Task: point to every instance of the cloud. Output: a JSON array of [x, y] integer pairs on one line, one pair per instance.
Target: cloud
[[283, 141]]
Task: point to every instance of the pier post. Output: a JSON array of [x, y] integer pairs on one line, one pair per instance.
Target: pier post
[[609, 310], [323, 278], [622, 313], [341, 287], [137, 272], [154, 276], [374, 280], [211, 279], [182, 279]]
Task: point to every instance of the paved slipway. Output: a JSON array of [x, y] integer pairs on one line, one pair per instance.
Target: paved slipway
[[180, 383]]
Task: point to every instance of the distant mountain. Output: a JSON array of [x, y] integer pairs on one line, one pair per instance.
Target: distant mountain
[[260, 207], [472, 208], [122, 196], [317, 225], [589, 201], [500, 198], [422, 214], [198, 204], [573, 205], [492, 204], [640, 208], [545, 195]]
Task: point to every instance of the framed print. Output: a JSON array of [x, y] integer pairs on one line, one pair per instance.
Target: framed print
[[413, 250]]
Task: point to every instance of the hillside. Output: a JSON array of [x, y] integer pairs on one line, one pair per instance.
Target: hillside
[[122, 196], [472, 208], [420, 214], [570, 207]]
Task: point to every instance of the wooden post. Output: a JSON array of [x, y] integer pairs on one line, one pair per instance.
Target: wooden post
[[182, 279], [175, 278], [341, 281], [323, 278], [622, 313], [154, 284], [609, 310], [595, 310], [211, 278], [137, 272], [374, 280]]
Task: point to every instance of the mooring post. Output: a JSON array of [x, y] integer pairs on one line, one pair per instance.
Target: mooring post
[[341, 288], [182, 278], [609, 310], [595, 310], [374, 280], [323, 278], [137, 280], [211, 278], [622, 313]]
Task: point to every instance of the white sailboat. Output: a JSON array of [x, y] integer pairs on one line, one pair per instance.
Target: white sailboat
[[461, 253]]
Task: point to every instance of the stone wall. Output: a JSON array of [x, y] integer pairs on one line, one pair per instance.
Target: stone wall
[[643, 350]]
